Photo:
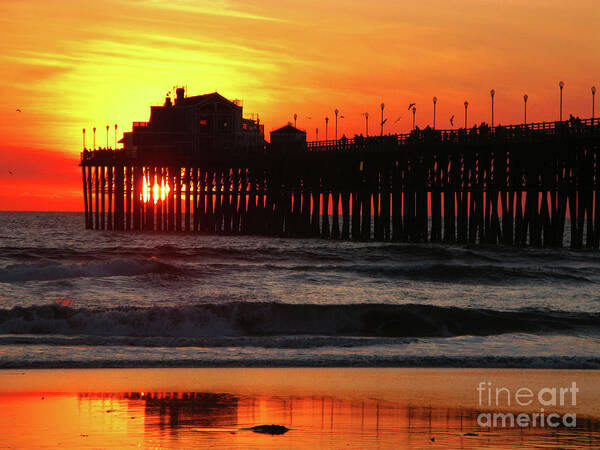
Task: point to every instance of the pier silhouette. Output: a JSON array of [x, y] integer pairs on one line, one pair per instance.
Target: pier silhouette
[[512, 185]]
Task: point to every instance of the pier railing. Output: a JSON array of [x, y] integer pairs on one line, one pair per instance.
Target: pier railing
[[531, 132], [500, 133]]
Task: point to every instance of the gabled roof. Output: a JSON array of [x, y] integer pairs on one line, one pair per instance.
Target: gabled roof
[[288, 129], [213, 96]]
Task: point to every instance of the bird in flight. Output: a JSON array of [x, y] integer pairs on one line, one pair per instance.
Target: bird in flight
[[452, 120], [411, 105], [398, 119], [10, 172], [383, 122], [18, 110]]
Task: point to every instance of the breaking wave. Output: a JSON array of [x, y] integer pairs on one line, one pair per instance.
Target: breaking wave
[[460, 273], [279, 319], [504, 362], [45, 271]]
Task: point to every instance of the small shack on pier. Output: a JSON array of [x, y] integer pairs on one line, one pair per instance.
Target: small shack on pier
[[288, 138]]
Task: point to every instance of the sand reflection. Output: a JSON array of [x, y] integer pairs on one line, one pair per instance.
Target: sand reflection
[[373, 408]]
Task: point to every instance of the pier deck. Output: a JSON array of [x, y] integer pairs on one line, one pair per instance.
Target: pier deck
[[513, 185]]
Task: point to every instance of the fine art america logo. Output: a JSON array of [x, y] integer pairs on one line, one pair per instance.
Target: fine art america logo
[[545, 399]]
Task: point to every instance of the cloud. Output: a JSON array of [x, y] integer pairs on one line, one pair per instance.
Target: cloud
[[221, 9]]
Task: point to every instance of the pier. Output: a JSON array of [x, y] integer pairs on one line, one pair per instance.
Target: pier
[[518, 185]]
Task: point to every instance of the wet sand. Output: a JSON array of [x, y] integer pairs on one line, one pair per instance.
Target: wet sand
[[323, 408]]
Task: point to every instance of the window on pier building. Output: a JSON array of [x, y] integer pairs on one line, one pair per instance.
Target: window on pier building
[[203, 125], [226, 124]]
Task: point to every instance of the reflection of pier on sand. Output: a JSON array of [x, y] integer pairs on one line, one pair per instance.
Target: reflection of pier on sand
[[393, 408], [187, 420], [195, 418]]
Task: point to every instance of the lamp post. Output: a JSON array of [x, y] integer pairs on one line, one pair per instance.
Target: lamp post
[[295, 118], [593, 101], [115, 136], [317, 133], [336, 112], [561, 85], [525, 97], [326, 126], [466, 107], [84, 138], [492, 93], [94, 130], [107, 136], [367, 124], [414, 111], [382, 106], [434, 104]]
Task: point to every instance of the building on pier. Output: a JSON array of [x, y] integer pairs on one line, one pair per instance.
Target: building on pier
[[288, 138], [192, 126]]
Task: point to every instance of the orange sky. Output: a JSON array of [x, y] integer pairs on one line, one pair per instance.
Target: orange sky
[[69, 64]]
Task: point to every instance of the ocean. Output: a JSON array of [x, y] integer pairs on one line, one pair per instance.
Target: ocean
[[71, 297]]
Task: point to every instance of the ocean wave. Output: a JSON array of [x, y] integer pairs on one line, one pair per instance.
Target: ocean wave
[[44, 271], [450, 272], [434, 272], [170, 252], [460, 273], [507, 362], [292, 250], [279, 319], [264, 342], [299, 249], [419, 262]]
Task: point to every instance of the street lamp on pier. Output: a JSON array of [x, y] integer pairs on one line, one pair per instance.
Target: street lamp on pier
[[295, 118], [466, 108], [367, 124], [492, 93], [593, 101], [326, 126], [414, 111], [434, 104], [561, 85], [94, 130], [525, 97], [84, 138], [382, 107]]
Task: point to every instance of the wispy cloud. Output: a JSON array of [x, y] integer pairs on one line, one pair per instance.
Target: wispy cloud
[[215, 8]]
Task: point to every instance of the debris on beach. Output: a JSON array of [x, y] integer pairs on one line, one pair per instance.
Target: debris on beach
[[269, 429]]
